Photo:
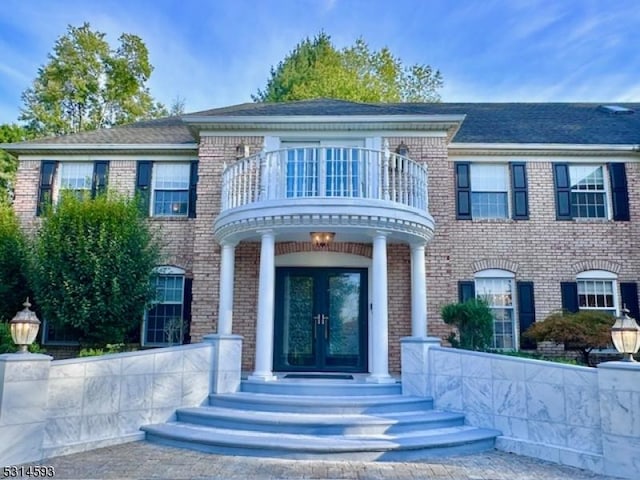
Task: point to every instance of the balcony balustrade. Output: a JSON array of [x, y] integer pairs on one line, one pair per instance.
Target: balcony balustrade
[[325, 172]]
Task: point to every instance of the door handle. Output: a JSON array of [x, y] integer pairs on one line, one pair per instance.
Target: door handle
[[326, 326]]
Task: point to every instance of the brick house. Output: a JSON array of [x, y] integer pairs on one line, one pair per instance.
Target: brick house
[[323, 231]]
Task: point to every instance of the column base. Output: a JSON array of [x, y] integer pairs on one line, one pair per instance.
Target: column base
[[262, 377], [380, 379]]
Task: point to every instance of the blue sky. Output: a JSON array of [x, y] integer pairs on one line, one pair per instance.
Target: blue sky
[[218, 52]]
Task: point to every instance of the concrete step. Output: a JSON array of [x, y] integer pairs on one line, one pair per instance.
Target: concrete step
[[320, 424], [400, 447], [322, 387], [346, 404]]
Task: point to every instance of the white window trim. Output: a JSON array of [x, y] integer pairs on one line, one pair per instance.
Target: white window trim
[[152, 200], [509, 188], [161, 270], [503, 275], [57, 182], [606, 179], [603, 275]]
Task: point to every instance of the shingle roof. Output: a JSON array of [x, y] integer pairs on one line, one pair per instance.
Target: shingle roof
[[169, 130], [544, 123], [563, 123]]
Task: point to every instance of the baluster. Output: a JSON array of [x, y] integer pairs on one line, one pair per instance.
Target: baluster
[[385, 171]]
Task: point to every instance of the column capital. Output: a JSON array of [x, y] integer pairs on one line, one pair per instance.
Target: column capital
[[379, 233], [266, 232], [229, 244]]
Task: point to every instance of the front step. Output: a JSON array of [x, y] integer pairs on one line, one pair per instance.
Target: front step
[[319, 424], [450, 441], [378, 425], [267, 402]]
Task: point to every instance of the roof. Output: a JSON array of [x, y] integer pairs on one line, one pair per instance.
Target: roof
[[511, 123]]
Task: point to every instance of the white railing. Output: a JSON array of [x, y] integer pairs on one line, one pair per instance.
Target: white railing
[[325, 172]]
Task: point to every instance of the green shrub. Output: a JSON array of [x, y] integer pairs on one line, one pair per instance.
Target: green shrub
[[474, 323], [14, 286], [93, 265], [581, 331]]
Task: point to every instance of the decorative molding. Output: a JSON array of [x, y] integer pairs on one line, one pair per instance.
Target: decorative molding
[[494, 263], [596, 264], [360, 249]]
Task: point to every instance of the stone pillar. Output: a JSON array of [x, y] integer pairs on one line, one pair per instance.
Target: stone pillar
[[225, 307], [417, 371], [266, 294], [418, 292], [226, 368], [619, 384], [380, 317], [24, 382]]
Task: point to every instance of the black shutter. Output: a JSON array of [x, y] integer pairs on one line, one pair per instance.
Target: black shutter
[[186, 309], [143, 185], [526, 311], [519, 191], [563, 191], [466, 290], [569, 294], [100, 177], [47, 176], [619, 192], [463, 191], [193, 183], [629, 297]]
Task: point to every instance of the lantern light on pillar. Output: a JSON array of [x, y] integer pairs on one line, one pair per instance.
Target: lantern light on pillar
[[24, 328], [625, 334]]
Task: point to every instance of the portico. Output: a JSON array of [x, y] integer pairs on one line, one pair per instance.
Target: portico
[[379, 199]]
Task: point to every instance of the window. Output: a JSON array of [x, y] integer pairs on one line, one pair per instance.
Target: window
[[588, 191], [591, 191], [164, 322], [59, 335], [170, 189], [76, 177], [496, 287], [491, 191], [167, 189], [323, 168], [81, 178], [597, 291]]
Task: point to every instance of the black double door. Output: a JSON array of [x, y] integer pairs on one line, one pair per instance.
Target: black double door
[[321, 319]]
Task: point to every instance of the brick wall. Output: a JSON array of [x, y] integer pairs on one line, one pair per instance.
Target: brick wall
[[214, 152]]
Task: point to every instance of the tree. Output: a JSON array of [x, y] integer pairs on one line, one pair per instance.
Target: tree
[[474, 321], [94, 261], [581, 331], [315, 68], [14, 286], [9, 133], [86, 85]]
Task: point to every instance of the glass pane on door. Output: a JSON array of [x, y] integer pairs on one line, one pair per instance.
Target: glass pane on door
[[342, 167], [342, 327], [298, 348]]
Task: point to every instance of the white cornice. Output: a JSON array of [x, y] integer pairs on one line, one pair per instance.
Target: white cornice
[[318, 119], [540, 149], [97, 146]]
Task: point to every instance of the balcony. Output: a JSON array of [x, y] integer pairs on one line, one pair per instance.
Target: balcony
[[349, 189]]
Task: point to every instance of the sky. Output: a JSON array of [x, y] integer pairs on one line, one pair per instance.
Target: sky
[[215, 53]]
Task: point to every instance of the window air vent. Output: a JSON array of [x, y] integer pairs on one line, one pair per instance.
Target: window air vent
[[616, 109]]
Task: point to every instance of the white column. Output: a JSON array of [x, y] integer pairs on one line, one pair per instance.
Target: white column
[[418, 292], [380, 319], [225, 307], [266, 293]]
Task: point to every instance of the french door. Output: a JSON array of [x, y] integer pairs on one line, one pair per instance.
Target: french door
[[324, 168], [321, 319]]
